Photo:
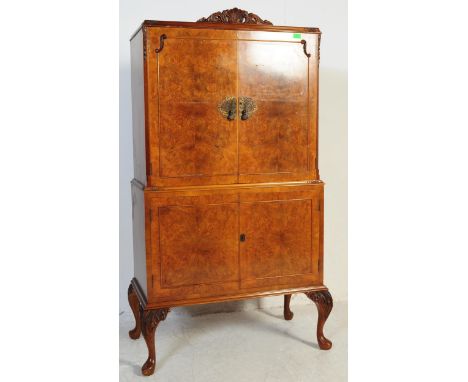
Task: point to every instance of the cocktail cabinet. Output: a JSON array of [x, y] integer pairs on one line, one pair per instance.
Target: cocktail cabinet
[[227, 198]]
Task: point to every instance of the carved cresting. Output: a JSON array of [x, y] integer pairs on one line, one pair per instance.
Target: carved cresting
[[234, 16]]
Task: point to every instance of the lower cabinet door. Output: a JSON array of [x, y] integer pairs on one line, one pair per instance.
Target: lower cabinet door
[[206, 245], [280, 239], [195, 246]]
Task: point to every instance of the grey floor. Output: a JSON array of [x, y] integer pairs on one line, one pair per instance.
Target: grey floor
[[257, 345]]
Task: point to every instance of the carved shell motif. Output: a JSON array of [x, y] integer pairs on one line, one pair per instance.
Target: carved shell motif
[[234, 16]]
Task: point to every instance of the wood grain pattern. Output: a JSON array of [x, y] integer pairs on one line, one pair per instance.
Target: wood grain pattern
[[278, 243], [275, 141], [207, 227], [207, 79], [272, 71], [195, 140], [194, 143], [198, 244]]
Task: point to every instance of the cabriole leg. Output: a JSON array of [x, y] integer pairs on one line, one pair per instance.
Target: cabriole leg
[[135, 305], [324, 302], [288, 315], [150, 321]]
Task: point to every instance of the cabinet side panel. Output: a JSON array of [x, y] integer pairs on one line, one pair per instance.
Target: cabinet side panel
[[138, 107], [139, 247]]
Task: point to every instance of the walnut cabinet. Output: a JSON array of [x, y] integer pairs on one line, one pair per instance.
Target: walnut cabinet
[[227, 198]]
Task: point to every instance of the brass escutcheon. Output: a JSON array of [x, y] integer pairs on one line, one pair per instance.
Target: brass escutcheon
[[247, 107], [228, 108]]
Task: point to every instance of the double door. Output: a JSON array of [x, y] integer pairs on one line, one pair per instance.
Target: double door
[[206, 244], [230, 107]]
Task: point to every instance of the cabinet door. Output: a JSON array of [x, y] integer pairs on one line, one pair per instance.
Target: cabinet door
[[194, 246], [277, 141], [280, 244], [193, 143]]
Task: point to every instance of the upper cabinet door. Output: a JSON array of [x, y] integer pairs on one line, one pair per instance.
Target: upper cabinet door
[[190, 72], [277, 91]]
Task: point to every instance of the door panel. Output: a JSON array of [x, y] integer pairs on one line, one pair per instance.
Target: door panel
[[274, 141], [194, 143], [281, 241], [198, 244], [194, 245], [273, 71], [197, 69]]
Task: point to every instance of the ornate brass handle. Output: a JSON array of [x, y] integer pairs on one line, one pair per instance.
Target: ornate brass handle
[[228, 108], [247, 106]]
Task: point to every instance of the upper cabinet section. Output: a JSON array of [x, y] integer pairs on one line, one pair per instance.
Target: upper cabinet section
[[225, 105]]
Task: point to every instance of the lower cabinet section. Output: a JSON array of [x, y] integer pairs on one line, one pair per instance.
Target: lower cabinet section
[[232, 241]]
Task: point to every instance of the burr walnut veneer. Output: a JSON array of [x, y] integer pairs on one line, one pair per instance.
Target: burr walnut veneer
[[227, 198]]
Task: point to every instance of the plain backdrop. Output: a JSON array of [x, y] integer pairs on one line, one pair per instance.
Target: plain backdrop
[[331, 17]]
